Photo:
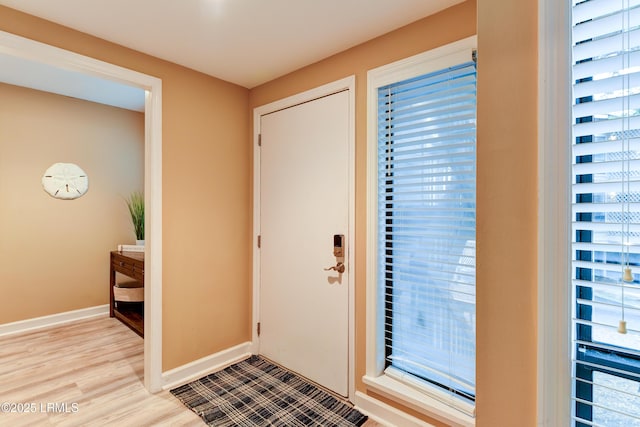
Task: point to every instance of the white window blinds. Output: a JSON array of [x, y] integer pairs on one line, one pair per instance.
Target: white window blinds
[[606, 212], [426, 227]]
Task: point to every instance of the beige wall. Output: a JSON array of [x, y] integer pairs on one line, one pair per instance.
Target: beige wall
[[206, 198], [55, 254], [506, 337], [507, 212]]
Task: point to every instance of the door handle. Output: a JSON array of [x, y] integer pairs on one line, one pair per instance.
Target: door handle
[[339, 267]]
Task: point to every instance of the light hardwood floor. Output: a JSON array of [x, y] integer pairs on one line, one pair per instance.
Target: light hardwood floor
[[88, 373]]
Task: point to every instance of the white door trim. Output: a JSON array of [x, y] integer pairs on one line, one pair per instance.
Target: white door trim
[[347, 83], [21, 47]]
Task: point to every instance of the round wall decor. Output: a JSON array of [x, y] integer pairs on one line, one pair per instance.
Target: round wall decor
[[65, 181]]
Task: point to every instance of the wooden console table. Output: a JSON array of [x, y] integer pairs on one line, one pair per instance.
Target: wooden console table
[[131, 264]]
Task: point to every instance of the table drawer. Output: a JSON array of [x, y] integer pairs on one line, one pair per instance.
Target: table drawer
[[127, 266]]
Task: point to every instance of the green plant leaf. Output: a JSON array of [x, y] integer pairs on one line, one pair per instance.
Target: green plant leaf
[[135, 203]]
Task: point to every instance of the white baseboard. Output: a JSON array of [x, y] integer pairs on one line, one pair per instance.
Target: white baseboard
[[385, 414], [53, 320], [201, 367]]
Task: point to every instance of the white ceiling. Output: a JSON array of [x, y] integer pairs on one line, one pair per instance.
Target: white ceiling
[[247, 42]]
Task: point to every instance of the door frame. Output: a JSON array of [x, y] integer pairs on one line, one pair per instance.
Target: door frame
[[21, 47], [347, 83]]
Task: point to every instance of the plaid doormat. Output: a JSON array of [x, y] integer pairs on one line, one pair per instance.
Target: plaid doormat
[[255, 392]]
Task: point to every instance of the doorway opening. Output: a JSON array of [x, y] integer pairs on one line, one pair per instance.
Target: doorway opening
[[44, 55]]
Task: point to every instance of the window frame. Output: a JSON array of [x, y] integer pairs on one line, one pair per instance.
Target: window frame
[[425, 399], [554, 213], [555, 302]]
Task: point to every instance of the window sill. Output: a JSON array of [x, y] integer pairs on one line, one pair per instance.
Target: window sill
[[420, 401]]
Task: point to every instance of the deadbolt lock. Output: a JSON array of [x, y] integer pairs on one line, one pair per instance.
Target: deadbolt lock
[[338, 245]]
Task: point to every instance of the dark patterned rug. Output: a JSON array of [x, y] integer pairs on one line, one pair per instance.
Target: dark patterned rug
[[255, 392]]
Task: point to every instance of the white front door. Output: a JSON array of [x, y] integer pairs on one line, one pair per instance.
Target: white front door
[[304, 203]]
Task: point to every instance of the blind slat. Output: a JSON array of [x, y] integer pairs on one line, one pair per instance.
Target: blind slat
[[606, 107], [604, 66], [611, 146], [596, 25], [601, 208], [610, 126], [584, 11], [605, 187], [606, 45], [604, 167], [605, 86]]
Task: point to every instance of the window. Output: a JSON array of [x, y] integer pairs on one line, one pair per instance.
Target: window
[[606, 212], [423, 175]]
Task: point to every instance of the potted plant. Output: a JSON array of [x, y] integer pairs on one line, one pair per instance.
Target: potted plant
[[135, 203]]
